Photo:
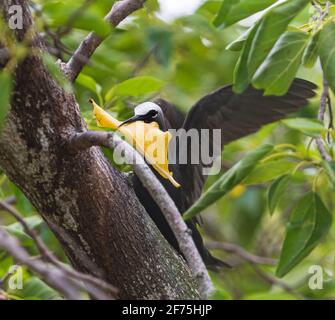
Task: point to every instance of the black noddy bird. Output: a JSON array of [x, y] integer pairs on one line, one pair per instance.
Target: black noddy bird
[[237, 115]]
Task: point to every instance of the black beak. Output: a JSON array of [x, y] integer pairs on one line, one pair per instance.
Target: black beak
[[132, 119]]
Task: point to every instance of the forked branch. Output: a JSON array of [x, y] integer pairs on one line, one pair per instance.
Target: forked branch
[[81, 56]]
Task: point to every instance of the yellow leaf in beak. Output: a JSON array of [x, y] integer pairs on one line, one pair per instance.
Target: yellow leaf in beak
[[146, 138]]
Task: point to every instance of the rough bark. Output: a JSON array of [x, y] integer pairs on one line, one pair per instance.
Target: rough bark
[[90, 206]]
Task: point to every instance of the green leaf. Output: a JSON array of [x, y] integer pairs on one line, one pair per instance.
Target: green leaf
[[329, 167], [276, 191], [238, 44], [232, 11], [241, 72], [229, 180], [152, 6], [327, 52], [22, 203], [309, 223], [67, 13], [92, 22], [277, 72], [16, 229], [135, 87], [5, 92], [36, 289], [51, 65], [89, 83], [32, 221], [310, 127], [269, 170], [312, 52], [271, 27], [160, 41]]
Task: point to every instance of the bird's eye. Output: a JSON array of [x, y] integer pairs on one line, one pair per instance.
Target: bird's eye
[[153, 113]]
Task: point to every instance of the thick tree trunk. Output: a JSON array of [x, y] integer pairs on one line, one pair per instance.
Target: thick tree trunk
[[91, 207]]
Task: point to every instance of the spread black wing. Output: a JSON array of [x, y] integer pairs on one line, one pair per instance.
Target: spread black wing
[[237, 115]]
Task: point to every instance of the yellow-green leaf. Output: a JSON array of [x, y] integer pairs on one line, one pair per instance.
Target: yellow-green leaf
[[232, 11], [278, 71], [229, 180], [241, 72], [89, 83], [276, 191], [238, 44], [51, 65], [135, 87], [269, 170], [312, 52], [271, 27], [311, 127], [309, 223], [329, 167]]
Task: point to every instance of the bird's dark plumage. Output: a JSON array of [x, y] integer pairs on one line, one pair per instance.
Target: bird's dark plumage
[[237, 115]]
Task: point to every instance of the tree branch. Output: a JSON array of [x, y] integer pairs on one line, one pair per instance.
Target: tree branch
[[278, 283], [242, 253], [52, 276], [151, 183], [95, 287], [81, 56]]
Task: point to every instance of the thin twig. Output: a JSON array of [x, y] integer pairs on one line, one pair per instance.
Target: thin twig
[[331, 121], [110, 140], [40, 245], [326, 10], [321, 116], [322, 13], [323, 101], [93, 282], [275, 282], [331, 116], [119, 12], [59, 46], [52, 276], [242, 253], [317, 7]]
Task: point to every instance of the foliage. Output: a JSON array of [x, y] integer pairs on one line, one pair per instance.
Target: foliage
[[309, 222], [229, 180], [259, 191], [5, 85]]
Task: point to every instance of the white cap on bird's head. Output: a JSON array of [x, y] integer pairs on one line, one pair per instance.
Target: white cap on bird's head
[[147, 112]]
